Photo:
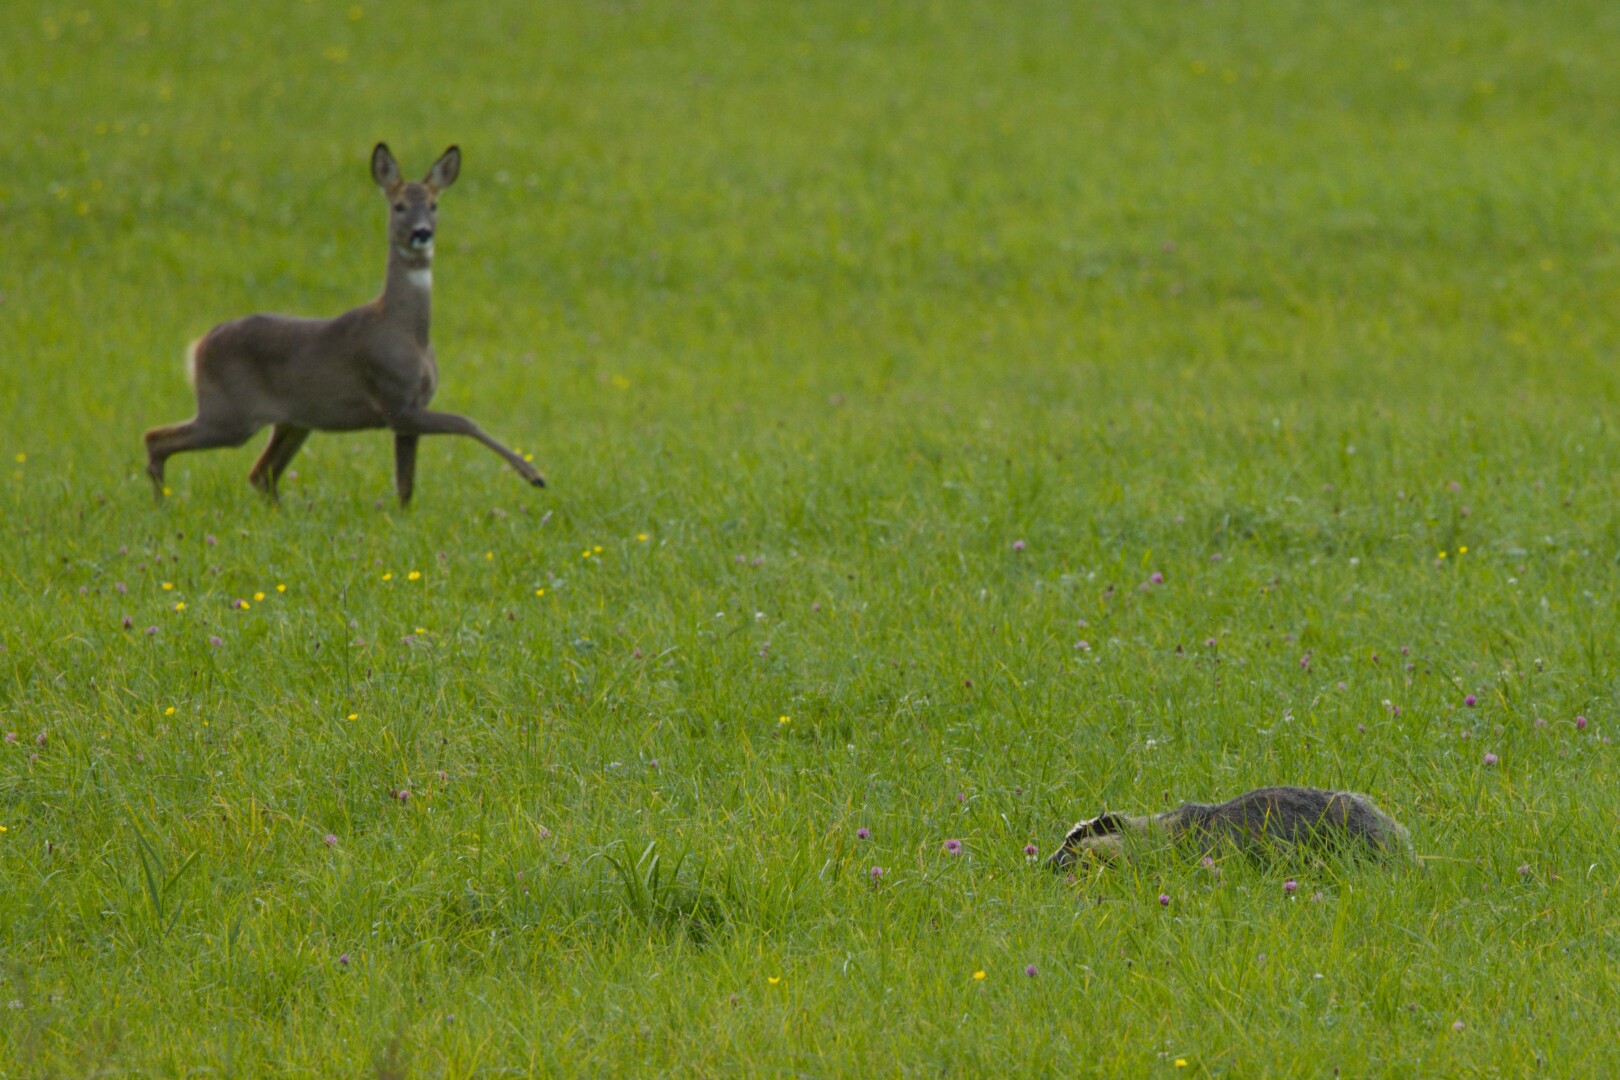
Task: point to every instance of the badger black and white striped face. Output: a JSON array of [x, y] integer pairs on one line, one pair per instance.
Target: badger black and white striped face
[[1086, 836]]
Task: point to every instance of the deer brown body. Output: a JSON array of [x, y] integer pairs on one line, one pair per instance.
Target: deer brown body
[[371, 367]]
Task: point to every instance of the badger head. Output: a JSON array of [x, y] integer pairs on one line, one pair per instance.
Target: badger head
[[1099, 835]]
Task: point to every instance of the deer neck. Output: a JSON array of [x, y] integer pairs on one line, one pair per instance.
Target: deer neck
[[407, 297]]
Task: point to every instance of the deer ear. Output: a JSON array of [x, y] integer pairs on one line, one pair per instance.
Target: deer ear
[[445, 170], [384, 169]]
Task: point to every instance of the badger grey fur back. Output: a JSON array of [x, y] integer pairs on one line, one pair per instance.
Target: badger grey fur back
[[1290, 815], [1259, 822]]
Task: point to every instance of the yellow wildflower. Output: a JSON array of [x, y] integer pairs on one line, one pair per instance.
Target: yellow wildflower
[[281, 588], [181, 606], [388, 576], [167, 585], [258, 597], [413, 575], [978, 976]]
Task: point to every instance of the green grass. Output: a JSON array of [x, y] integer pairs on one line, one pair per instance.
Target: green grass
[[808, 314]]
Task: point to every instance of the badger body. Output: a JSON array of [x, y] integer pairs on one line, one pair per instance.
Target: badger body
[[1266, 821]]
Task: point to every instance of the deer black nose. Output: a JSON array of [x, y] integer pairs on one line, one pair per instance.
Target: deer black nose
[[421, 236]]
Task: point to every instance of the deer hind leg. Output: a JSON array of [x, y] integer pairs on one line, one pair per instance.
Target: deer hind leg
[[198, 433], [427, 422], [405, 466], [285, 440]]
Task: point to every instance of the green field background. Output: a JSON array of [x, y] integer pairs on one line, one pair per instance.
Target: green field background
[[959, 418]]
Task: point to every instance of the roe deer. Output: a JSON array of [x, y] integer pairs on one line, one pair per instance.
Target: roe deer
[[371, 367], [1267, 821]]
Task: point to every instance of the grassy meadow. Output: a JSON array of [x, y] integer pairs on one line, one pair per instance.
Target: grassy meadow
[[959, 418]]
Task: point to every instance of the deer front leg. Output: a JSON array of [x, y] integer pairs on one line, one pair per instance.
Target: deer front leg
[[285, 440], [428, 422], [405, 466]]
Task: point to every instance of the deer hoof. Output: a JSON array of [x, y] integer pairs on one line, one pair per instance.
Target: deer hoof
[[537, 481]]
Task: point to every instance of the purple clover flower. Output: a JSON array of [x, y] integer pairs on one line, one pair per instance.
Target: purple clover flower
[[953, 847], [863, 833], [1290, 887]]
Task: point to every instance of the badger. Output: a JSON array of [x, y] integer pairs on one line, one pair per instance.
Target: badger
[[1270, 820]]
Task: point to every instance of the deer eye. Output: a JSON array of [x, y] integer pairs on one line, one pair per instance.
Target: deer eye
[[399, 208], [434, 206]]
